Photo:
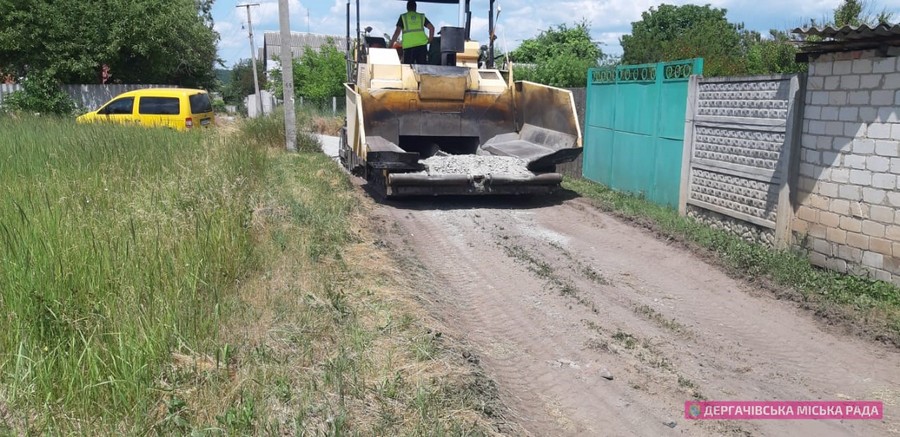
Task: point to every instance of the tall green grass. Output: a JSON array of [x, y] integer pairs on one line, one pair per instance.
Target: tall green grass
[[116, 246], [268, 131]]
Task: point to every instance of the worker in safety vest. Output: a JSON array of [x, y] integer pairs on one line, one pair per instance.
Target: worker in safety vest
[[415, 43]]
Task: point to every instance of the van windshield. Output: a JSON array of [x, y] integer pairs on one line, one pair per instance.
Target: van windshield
[[200, 103]]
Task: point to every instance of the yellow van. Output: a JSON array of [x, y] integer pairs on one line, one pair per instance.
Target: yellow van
[[177, 108]]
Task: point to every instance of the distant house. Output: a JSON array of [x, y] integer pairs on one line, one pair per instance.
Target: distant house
[[271, 49]]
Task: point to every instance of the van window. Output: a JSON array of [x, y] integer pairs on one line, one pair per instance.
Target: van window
[[124, 105], [159, 106], [200, 103]]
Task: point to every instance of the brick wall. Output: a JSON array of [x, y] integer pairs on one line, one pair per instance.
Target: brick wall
[[849, 165]]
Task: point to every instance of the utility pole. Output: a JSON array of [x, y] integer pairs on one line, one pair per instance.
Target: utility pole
[[307, 20], [253, 56], [287, 76]]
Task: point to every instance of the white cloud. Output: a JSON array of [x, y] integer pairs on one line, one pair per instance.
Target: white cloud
[[266, 14]]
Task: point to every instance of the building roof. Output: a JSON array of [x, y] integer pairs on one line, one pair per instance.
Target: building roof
[[863, 31], [830, 39], [299, 42]]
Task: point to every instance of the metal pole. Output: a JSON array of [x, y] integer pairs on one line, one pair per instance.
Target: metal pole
[[349, 67], [357, 23], [253, 57], [468, 18], [490, 61], [287, 76]]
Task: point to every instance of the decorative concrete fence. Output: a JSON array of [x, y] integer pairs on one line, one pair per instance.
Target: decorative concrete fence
[[741, 140]]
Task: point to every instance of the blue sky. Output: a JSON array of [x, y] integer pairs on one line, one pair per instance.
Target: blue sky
[[519, 19]]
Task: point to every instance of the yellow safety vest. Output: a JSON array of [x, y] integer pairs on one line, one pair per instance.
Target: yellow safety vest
[[413, 30]]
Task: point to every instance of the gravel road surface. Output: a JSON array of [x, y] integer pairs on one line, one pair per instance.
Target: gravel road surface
[[591, 326]]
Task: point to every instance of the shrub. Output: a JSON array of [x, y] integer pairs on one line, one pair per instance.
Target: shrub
[[219, 106], [41, 94]]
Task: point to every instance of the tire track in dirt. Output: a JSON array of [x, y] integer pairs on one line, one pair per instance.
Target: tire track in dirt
[[548, 296], [475, 307], [763, 349], [528, 338]]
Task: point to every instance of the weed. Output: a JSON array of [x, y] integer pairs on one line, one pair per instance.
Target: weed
[[593, 326], [424, 347], [283, 391], [655, 360], [659, 319], [686, 383], [626, 339], [240, 418], [592, 274], [579, 267], [544, 271], [599, 345], [176, 419], [540, 268], [389, 387]]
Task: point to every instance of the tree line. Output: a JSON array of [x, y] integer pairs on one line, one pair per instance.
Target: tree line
[[47, 42], [44, 43], [145, 41], [561, 55]]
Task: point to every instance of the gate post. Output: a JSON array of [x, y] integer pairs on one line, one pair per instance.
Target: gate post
[[688, 148]]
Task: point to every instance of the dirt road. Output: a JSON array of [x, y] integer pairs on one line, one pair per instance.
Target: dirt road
[[556, 298]]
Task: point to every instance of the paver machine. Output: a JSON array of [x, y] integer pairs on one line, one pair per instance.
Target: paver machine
[[455, 125]]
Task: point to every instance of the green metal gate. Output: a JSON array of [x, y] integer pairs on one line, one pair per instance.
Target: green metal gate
[[634, 127]]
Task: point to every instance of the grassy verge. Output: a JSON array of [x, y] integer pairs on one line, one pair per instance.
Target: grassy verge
[[863, 305], [325, 339], [161, 282]]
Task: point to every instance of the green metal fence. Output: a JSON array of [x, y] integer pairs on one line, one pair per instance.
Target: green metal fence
[[634, 127]]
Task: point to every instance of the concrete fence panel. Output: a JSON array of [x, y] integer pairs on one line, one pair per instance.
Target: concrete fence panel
[[7, 89], [86, 97], [740, 135]]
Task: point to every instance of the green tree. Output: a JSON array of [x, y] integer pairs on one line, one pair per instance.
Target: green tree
[[142, 41], [856, 12], [670, 33], [319, 75], [241, 83], [558, 56], [848, 13], [775, 54]]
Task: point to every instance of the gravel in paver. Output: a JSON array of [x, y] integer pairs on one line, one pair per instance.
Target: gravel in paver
[[476, 165]]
